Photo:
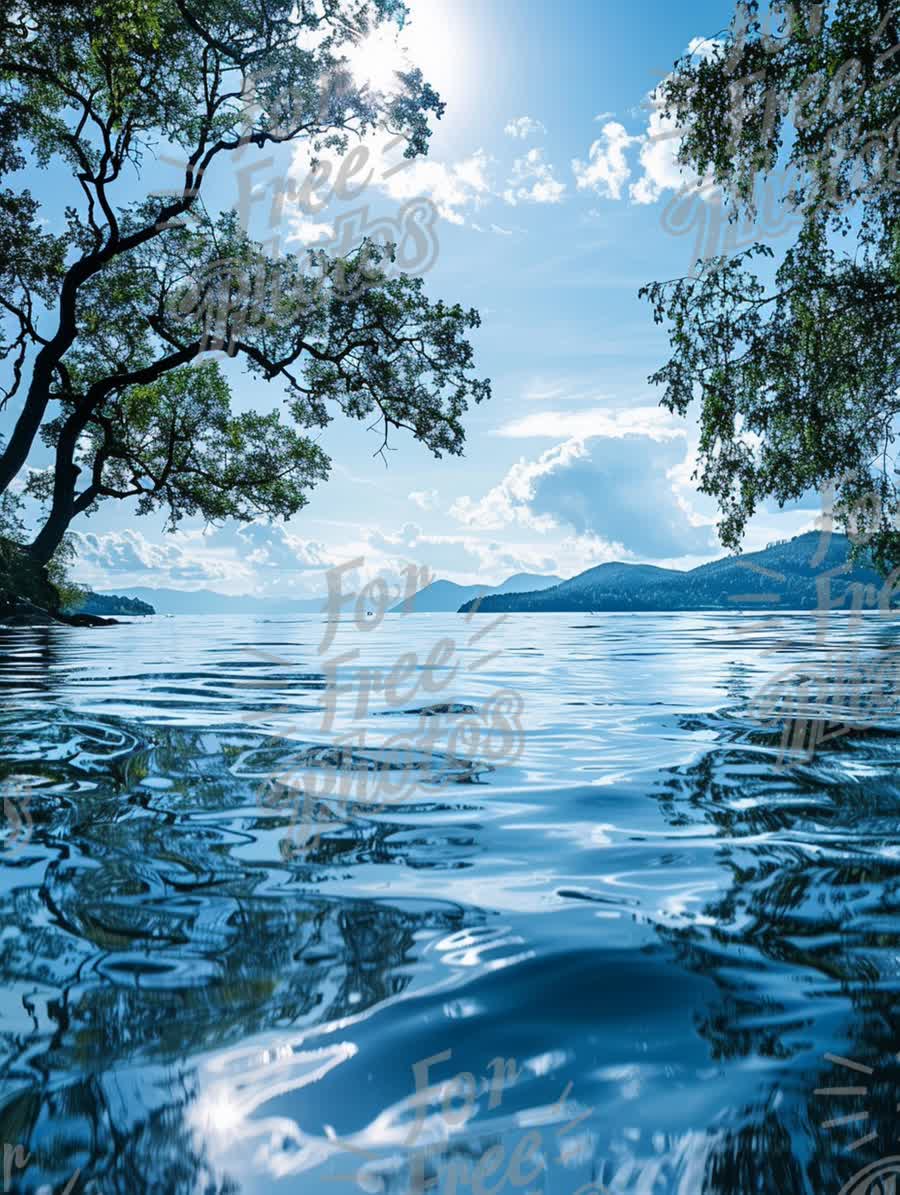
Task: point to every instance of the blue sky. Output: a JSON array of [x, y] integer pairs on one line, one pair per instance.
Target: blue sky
[[554, 185]]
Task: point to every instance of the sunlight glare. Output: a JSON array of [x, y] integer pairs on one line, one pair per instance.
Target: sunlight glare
[[376, 59], [431, 38]]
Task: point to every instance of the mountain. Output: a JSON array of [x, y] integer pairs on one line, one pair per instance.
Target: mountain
[[439, 596], [105, 604], [207, 601], [446, 597], [522, 581], [784, 575]]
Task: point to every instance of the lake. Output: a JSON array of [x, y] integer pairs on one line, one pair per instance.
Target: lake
[[555, 903]]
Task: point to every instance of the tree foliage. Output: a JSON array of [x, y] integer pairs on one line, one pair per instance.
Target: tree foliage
[[796, 368], [106, 320]]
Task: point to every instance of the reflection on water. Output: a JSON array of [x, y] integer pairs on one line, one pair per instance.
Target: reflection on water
[[642, 952]]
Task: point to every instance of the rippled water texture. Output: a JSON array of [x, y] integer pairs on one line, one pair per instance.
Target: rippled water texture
[[551, 911]]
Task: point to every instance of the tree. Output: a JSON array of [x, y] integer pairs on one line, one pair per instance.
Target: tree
[[797, 369], [105, 323]]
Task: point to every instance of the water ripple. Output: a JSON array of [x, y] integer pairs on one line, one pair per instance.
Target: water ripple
[[241, 908]]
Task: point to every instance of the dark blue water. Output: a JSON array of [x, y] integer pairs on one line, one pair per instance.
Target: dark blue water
[[547, 908]]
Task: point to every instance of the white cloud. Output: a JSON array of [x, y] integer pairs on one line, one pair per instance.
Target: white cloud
[[661, 144], [532, 181], [124, 551], [524, 126], [237, 558], [607, 170], [272, 546], [617, 479], [511, 500], [598, 421], [377, 164], [308, 231], [508, 501], [621, 489], [659, 159], [616, 491], [452, 188], [424, 499], [704, 47]]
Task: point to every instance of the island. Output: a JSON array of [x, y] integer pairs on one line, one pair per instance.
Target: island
[[109, 605]]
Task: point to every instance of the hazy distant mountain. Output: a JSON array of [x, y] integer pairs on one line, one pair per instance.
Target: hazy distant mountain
[[206, 601], [782, 575], [439, 596], [446, 596]]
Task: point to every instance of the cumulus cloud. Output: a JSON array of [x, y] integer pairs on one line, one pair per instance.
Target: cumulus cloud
[[705, 47], [621, 489], [532, 181], [617, 482], [377, 166], [453, 188], [257, 556], [309, 232], [125, 552], [607, 169], [661, 143], [272, 546], [424, 499], [659, 160], [524, 126], [509, 500], [407, 537], [120, 559]]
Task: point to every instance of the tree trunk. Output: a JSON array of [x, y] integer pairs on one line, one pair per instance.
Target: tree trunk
[[51, 535], [29, 422], [27, 426], [63, 508]]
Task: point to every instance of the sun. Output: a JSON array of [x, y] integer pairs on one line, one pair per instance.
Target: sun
[[434, 37], [376, 58]]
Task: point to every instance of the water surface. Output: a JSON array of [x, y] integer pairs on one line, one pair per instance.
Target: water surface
[[550, 911]]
